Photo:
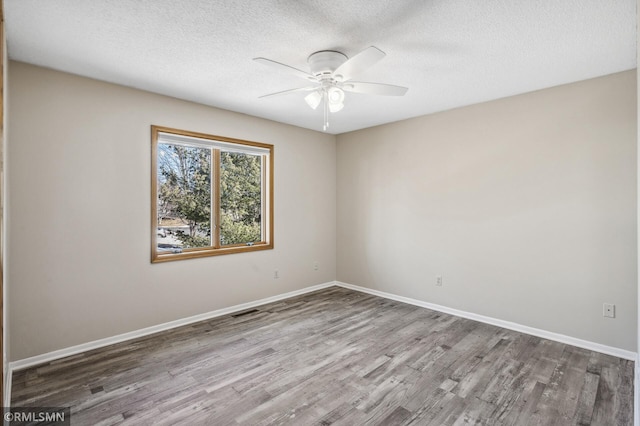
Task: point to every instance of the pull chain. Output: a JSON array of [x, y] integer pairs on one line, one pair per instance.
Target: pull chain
[[326, 110]]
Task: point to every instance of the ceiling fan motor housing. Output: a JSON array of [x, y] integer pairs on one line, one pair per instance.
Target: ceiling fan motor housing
[[325, 62]]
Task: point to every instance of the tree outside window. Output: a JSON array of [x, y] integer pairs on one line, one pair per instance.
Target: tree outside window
[[211, 196]]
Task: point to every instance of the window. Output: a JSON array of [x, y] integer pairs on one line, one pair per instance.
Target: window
[[210, 195]]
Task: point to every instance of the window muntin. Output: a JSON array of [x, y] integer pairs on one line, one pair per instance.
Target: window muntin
[[210, 195]]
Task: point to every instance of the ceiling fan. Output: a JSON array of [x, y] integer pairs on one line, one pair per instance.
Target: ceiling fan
[[331, 74]]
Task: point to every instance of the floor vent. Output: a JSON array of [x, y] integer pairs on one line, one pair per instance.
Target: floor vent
[[239, 314]]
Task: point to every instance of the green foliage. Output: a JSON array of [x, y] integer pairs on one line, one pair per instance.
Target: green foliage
[[238, 232], [193, 241], [240, 186], [184, 193], [185, 190]]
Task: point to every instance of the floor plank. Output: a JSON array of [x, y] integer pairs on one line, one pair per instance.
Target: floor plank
[[335, 357]]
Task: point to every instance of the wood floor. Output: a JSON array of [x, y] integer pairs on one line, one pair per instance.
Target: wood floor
[[335, 357]]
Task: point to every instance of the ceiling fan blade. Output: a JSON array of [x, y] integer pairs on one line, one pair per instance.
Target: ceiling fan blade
[[286, 92], [359, 62], [374, 88], [286, 68]]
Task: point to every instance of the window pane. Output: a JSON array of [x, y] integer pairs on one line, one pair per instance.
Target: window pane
[[240, 198], [211, 195], [184, 197]]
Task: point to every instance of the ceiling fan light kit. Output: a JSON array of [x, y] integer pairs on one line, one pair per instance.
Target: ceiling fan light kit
[[313, 99], [335, 95], [331, 73]]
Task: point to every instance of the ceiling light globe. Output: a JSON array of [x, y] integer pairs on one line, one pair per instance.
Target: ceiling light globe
[[313, 99], [335, 95], [336, 107]]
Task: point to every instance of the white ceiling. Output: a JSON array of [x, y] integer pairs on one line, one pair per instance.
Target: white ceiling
[[449, 53]]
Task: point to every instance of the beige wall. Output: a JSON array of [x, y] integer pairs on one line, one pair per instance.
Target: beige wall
[[526, 206], [78, 235]]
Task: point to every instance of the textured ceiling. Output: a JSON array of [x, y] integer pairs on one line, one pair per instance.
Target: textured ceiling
[[449, 53]]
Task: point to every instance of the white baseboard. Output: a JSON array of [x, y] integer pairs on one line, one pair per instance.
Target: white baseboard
[[54, 355], [73, 350], [7, 387], [585, 344]]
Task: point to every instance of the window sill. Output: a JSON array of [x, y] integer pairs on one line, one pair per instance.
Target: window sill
[[207, 252]]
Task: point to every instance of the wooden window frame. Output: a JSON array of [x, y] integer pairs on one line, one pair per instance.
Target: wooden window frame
[[215, 249]]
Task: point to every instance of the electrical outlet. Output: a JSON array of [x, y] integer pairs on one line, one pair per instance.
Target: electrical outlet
[[609, 310], [276, 275], [439, 281], [316, 266]]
